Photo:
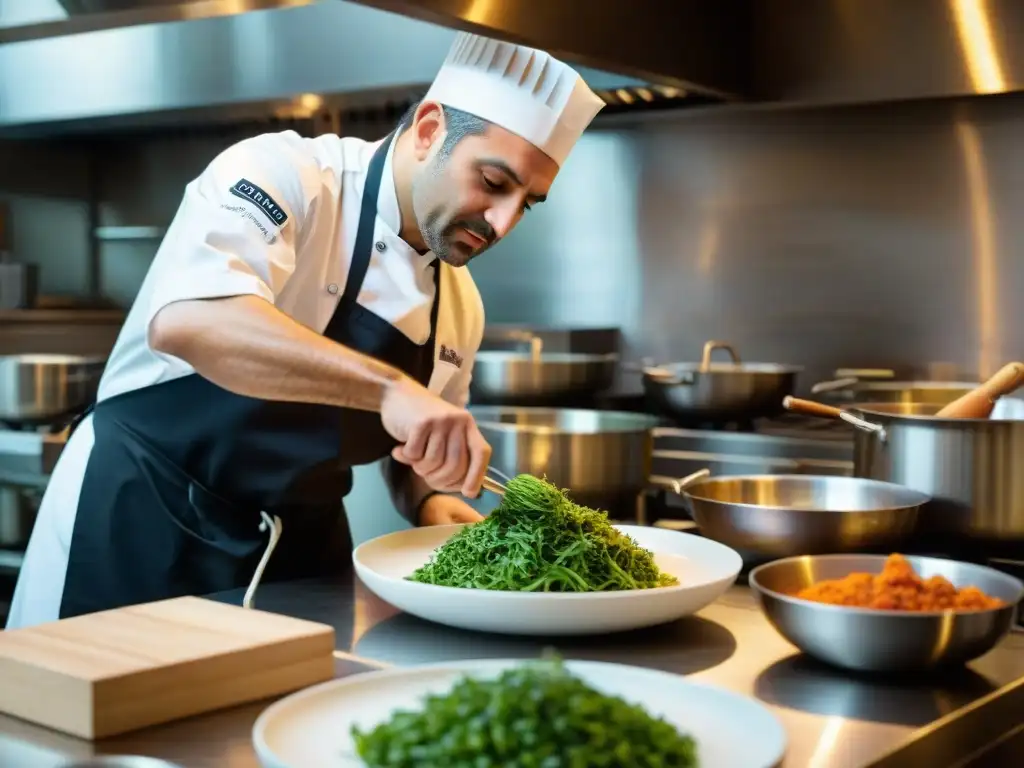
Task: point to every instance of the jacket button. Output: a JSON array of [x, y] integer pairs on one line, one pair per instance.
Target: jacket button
[[380, 246], [332, 289]]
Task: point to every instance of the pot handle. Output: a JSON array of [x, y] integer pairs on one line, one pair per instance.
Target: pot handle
[[822, 411], [848, 377], [678, 486], [710, 347], [833, 386]]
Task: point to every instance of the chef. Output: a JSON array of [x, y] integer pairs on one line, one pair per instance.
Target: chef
[[308, 311]]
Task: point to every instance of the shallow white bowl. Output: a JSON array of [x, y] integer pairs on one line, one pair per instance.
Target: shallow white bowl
[[705, 569], [311, 729]]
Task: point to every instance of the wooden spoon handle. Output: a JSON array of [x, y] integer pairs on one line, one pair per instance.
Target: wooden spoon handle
[[1005, 380], [810, 408]]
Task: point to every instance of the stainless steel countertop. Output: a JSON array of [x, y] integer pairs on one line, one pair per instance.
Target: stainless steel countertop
[[834, 720]]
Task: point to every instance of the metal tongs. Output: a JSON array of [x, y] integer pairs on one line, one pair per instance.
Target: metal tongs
[[495, 486]]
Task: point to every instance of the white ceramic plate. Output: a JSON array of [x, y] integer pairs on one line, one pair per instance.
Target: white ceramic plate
[[705, 569], [311, 729]]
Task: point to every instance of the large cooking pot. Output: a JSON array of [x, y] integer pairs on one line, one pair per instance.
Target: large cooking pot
[[972, 468], [602, 457], [38, 389], [719, 392], [881, 386]]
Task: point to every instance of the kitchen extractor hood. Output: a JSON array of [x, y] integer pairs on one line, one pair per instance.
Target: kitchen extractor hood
[[285, 55]]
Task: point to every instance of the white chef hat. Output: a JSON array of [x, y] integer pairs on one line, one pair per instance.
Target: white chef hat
[[525, 91]]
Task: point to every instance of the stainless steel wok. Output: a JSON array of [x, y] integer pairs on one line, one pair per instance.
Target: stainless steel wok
[[972, 468], [719, 392], [878, 640], [771, 516], [37, 389]]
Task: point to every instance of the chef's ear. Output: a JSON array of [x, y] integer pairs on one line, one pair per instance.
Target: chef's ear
[[428, 129]]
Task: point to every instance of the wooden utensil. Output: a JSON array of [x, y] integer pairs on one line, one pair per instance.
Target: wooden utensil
[[811, 408], [979, 402], [115, 671]]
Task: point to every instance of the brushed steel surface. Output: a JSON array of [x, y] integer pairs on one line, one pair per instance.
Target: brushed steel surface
[[970, 467], [832, 718], [771, 516], [716, 391], [877, 640], [852, 50], [36, 388], [520, 377], [603, 457], [924, 392]]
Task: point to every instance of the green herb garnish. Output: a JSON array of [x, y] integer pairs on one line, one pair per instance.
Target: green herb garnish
[[540, 540], [538, 715]]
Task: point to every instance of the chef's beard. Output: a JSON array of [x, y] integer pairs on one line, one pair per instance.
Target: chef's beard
[[439, 225]]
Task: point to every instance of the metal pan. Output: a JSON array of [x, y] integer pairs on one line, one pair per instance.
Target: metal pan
[[881, 386], [719, 392], [772, 516], [41, 389], [877, 640], [970, 467]]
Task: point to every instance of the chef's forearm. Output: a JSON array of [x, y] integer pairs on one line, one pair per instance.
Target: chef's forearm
[[251, 348], [408, 490]]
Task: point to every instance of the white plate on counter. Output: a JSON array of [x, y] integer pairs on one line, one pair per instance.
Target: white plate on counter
[[705, 570], [312, 728]]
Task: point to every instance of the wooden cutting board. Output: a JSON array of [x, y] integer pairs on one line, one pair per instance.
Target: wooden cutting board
[[116, 671]]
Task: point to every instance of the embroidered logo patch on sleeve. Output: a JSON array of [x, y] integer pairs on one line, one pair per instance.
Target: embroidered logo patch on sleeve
[[246, 190]]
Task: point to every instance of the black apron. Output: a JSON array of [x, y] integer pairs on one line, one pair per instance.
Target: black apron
[[180, 471]]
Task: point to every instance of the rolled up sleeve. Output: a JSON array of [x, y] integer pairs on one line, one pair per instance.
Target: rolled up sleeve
[[236, 229]]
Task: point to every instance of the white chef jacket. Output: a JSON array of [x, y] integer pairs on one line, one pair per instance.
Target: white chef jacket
[[222, 243], [225, 244]]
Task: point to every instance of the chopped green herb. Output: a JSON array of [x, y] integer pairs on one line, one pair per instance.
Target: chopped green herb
[[540, 540], [538, 715]]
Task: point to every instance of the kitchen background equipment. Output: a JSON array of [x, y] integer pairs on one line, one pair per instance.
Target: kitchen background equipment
[[969, 467], [37, 389], [19, 283], [604, 457], [877, 640], [710, 392], [771, 516], [978, 403], [881, 386], [539, 377], [115, 671]]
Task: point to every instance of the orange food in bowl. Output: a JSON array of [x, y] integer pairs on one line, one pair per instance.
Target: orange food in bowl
[[898, 588]]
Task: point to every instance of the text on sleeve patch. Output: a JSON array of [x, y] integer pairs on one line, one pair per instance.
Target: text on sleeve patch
[[246, 190]]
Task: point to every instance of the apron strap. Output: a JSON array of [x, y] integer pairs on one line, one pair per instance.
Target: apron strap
[[363, 249]]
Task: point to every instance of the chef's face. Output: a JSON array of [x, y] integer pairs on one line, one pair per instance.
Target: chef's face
[[468, 195]]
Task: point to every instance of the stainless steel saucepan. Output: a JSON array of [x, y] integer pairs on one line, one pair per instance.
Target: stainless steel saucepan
[[718, 392], [971, 468], [536, 377], [771, 516], [36, 389], [602, 457], [881, 386]]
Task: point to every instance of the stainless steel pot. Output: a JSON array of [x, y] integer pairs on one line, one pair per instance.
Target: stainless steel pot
[[972, 468], [771, 516], [41, 388], [877, 640], [719, 392], [602, 457], [533, 377], [880, 386]]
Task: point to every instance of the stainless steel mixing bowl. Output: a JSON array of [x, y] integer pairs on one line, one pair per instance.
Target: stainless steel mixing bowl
[[870, 640], [772, 516]]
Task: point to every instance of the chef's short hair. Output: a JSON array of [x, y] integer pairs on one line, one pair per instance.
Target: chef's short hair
[[459, 125]]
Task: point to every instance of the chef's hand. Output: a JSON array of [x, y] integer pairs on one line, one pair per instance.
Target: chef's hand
[[440, 441], [447, 510]]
